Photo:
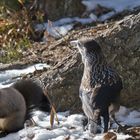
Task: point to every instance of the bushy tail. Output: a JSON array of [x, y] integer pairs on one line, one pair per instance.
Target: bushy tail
[[33, 95]]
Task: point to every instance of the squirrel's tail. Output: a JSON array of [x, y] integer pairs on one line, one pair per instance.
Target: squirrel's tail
[[33, 95]]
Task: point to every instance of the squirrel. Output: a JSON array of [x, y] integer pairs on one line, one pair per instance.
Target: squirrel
[[17, 102]]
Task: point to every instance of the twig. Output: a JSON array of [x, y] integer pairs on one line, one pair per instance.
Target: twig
[[52, 106]]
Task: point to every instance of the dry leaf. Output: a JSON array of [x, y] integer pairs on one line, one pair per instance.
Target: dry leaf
[[72, 127], [110, 136], [52, 118], [21, 2], [67, 138], [53, 111]]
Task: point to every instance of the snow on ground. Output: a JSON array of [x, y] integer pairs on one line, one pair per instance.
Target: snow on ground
[[10, 76], [117, 6], [128, 116], [70, 126], [62, 26]]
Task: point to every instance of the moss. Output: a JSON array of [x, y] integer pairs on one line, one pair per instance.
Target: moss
[[14, 39], [14, 53], [12, 43]]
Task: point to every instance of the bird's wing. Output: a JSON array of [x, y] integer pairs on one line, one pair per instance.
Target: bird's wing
[[94, 93]]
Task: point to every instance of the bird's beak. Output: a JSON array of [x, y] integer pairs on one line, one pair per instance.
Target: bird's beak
[[74, 43]]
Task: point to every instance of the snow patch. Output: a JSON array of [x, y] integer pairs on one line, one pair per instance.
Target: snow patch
[[70, 126], [117, 5], [8, 77], [128, 116], [62, 26]]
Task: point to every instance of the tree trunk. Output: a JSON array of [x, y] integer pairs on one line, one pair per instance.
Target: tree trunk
[[64, 8]]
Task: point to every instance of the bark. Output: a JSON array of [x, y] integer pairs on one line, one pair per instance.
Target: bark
[[56, 9]]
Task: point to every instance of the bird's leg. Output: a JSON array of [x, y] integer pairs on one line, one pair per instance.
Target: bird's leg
[[113, 117], [106, 121], [86, 126], [93, 124], [99, 130]]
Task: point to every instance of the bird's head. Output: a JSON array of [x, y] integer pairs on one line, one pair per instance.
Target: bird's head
[[87, 48]]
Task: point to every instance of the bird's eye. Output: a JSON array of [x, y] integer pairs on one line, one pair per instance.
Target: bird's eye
[[78, 43]]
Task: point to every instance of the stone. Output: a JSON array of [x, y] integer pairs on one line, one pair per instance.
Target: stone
[[120, 44]]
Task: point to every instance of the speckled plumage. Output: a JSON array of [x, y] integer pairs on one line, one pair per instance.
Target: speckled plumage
[[100, 84]]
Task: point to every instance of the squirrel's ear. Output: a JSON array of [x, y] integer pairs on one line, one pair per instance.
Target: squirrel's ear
[[74, 43]]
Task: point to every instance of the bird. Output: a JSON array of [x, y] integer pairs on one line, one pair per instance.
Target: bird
[[100, 87]]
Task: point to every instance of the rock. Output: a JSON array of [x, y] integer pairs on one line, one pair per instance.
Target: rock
[[63, 85], [134, 131], [120, 43], [64, 8]]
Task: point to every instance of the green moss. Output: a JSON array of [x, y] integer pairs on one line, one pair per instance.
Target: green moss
[[14, 39], [13, 51]]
